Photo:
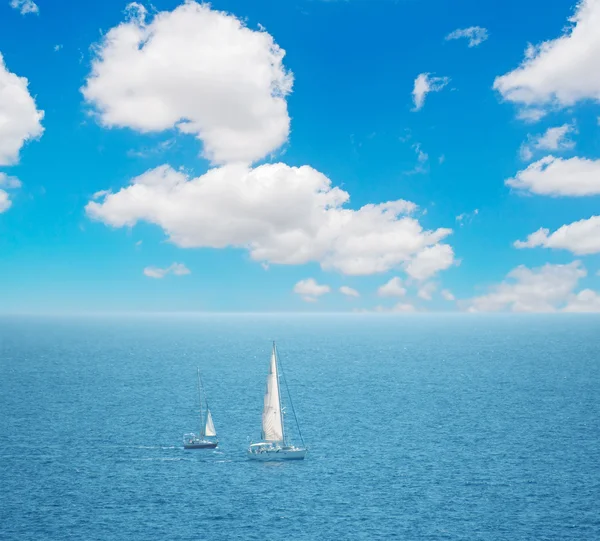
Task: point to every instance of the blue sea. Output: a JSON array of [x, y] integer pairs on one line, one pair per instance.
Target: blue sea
[[419, 427]]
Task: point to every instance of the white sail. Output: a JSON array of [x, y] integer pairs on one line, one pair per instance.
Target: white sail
[[209, 429], [272, 421]]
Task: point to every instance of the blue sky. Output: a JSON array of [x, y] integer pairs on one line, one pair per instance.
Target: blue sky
[[189, 90]]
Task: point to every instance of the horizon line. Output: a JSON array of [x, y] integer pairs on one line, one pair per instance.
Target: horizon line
[[273, 313]]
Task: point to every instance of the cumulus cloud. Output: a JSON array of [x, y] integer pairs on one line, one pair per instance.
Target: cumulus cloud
[[475, 34], [531, 115], [447, 295], [310, 290], [403, 307], [178, 269], [424, 84], [399, 308], [544, 289], [562, 71], [426, 291], [25, 6], [198, 70], [393, 288], [586, 300], [349, 292], [101, 193], [429, 261], [5, 202], [281, 215], [553, 139], [558, 177], [6, 183], [581, 238], [20, 121]]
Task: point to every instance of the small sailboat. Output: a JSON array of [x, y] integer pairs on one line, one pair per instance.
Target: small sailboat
[[275, 444], [206, 437]]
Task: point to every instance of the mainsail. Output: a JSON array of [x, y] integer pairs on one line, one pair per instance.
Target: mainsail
[[272, 421], [209, 429]]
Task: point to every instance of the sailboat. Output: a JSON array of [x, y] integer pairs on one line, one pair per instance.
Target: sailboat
[[275, 444], [206, 437]]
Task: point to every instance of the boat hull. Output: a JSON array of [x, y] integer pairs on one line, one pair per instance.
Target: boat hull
[[201, 445], [277, 455]]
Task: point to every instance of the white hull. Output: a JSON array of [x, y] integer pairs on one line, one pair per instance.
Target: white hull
[[277, 454]]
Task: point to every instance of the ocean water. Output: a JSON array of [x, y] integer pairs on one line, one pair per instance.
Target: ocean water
[[429, 427]]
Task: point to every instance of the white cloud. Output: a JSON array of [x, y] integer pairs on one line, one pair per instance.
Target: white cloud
[[553, 139], [349, 292], [531, 115], [427, 290], [422, 157], [57, 48], [466, 217], [399, 308], [393, 288], [19, 118], [447, 295], [159, 148], [526, 152], [5, 202], [198, 70], [581, 238], [310, 290], [403, 307], [475, 34], [9, 182], [562, 71], [154, 272], [178, 269], [585, 301], [544, 289], [282, 215], [557, 177], [429, 261], [25, 6], [101, 193], [425, 84]]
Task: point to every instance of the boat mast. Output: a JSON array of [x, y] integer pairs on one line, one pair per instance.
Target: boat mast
[[201, 433], [279, 394], [290, 399], [206, 402]]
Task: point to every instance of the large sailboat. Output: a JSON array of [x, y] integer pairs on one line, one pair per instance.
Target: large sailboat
[[206, 437], [275, 444]]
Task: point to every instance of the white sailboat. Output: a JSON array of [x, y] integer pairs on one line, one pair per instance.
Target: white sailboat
[[275, 444], [206, 437]]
